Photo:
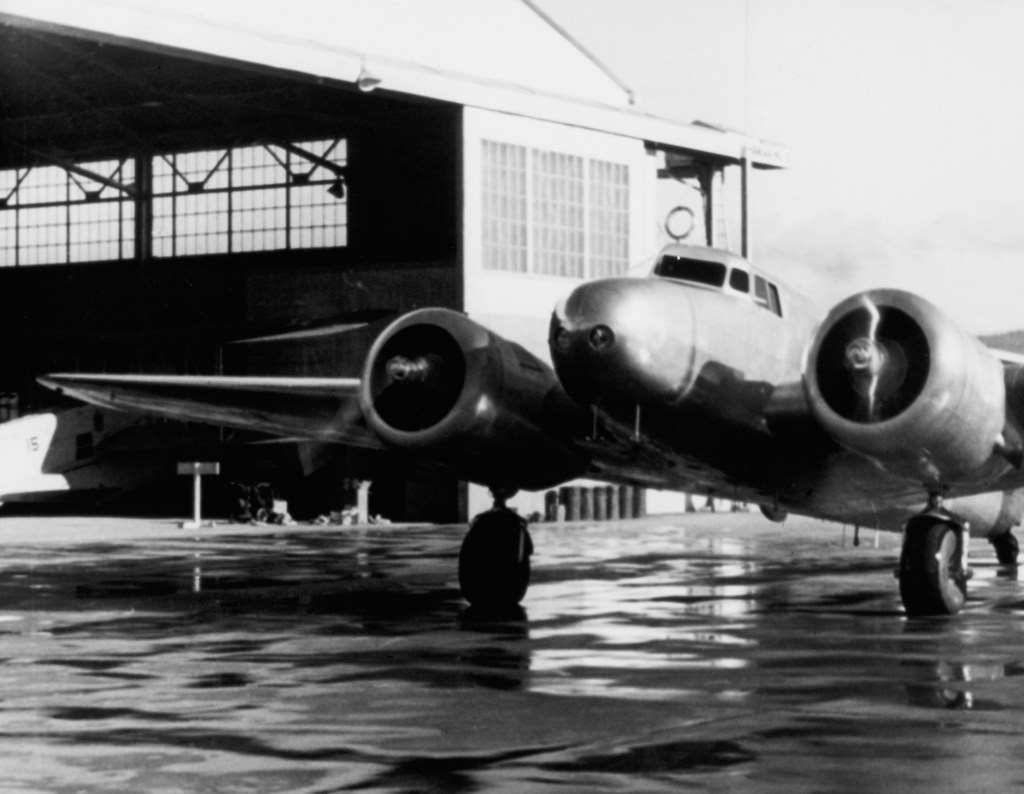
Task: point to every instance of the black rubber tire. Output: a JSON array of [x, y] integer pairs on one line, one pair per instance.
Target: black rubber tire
[[494, 562], [1007, 548], [932, 580]]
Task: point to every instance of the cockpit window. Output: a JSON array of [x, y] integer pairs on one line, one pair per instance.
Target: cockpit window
[[695, 270], [714, 274], [767, 295], [761, 291], [739, 280]]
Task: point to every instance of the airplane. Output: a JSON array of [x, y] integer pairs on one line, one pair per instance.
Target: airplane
[[706, 376], [72, 454], [87, 457]]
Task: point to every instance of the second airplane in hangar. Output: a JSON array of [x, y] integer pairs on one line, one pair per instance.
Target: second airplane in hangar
[[705, 377]]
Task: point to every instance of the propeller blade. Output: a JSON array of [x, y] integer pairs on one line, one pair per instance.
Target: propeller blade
[[872, 363]]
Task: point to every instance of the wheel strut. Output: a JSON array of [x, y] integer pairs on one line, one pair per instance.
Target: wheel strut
[[1006, 547]]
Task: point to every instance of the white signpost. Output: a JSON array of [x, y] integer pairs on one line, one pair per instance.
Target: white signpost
[[198, 470]]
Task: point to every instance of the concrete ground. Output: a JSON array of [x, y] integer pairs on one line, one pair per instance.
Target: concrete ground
[[684, 653]]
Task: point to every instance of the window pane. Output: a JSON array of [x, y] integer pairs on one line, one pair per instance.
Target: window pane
[[761, 291], [695, 270], [97, 230], [42, 235], [558, 214], [609, 218], [202, 224], [163, 227], [8, 239], [504, 207], [739, 280], [44, 185]]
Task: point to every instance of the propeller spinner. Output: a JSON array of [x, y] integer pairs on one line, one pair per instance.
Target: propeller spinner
[[419, 376]]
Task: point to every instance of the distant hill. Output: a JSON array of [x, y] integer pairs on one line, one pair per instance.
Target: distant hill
[[1011, 341]]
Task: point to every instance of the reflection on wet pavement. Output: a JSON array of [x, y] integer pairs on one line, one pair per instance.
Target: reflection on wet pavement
[[706, 653]]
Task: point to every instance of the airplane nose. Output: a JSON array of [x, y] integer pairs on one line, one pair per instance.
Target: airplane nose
[[624, 338]]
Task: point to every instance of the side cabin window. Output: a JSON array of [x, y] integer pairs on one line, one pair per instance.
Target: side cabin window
[[696, 270]]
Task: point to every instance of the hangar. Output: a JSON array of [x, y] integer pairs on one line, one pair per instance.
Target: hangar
[[187, 190]]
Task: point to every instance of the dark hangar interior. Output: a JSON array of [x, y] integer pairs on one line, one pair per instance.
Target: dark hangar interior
[[157, 207]]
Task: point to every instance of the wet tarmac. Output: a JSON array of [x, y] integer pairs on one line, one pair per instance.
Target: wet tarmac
[[691, 653]]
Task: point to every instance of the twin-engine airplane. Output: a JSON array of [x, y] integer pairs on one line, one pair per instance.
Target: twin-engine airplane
[[705, 377]]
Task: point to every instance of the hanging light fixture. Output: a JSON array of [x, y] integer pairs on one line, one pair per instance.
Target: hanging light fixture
[[337, 188], [367, 80]]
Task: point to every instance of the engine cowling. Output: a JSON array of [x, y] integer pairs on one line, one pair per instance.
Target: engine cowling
[[989, 514], [439, 385], [892, 377]]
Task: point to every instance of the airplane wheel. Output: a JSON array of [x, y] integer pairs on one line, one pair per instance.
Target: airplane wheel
[[932, 576], [1006, 547], [494, 563]]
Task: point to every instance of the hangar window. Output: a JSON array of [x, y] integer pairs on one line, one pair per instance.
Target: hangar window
[[59, 214], [552, 213], [254, 198]]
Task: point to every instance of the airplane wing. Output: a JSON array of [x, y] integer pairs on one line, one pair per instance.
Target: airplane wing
[[438, 385], [324, 409], [1008, 358]]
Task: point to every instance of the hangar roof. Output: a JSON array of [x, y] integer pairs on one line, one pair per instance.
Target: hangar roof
[[505, 55]]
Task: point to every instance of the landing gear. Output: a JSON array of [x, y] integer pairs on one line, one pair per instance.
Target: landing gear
[[1006, 547], [933, 565], [494, 563]]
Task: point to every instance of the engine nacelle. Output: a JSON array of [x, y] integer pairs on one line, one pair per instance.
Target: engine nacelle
[[439, 385], [989, 514], [893, 378]]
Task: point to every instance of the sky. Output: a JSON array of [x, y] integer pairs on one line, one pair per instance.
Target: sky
[[904, 120]]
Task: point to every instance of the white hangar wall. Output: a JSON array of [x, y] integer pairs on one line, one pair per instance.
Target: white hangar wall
[[517, 303]]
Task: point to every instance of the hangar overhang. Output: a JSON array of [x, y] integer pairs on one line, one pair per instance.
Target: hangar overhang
[[73, 96], [106, 65]]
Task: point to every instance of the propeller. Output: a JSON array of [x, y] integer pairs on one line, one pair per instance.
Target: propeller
[[426, 370], [872, 363], [418, 376]]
